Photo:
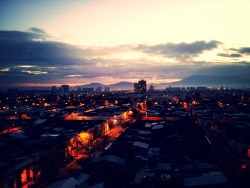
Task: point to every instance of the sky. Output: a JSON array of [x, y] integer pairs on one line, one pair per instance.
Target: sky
[[51, 42]]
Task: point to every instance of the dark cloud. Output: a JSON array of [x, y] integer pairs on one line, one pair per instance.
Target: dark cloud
[[245, 50], [17, 77], [20, 47], [37, 30], [240, 69], [235, 55], [181, 50], [229, 55], [234, 49], [17, 36], [236, 52], [31, 56]]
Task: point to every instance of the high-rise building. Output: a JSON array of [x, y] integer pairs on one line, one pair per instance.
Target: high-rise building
[[151, 88], [98, 90], [64, 88], [53, 89], [107, 89], [136, 89], [140, 87]]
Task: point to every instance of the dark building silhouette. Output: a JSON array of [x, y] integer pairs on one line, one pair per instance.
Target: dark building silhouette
[[53, 89], [151, 88], [64, 88], [88, 90], [142, 86], [136, 89]]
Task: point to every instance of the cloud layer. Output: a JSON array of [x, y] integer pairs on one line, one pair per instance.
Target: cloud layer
[[36, 57], [181, 50]]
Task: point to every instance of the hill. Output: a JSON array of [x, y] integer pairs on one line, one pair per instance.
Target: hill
[[213, 81]]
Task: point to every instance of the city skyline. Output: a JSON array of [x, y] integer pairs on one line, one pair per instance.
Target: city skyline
[[49, 43]]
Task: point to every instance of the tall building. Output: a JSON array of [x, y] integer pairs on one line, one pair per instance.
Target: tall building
[[140, 87], [136, 89], [64, 88], [107, 89], [53, 89], [98, 90], [151, 88]]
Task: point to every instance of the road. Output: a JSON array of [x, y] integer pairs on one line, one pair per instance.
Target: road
[[80, 161]]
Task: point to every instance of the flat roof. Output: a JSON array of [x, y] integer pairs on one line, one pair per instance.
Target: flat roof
[[206, 179], [141, 145]]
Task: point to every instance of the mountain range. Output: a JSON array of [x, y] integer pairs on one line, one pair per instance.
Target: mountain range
[[195, 80], [213, 81]]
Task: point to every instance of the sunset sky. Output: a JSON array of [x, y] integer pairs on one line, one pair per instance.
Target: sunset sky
[[53, 42]]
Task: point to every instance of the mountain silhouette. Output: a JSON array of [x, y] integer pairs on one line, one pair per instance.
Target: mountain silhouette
[[213, 80], [195, 80]]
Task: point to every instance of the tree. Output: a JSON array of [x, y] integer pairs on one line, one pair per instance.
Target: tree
[[85, 138]]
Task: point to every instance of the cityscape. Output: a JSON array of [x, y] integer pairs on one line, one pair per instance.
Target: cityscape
[[124, 94], [95, 137]]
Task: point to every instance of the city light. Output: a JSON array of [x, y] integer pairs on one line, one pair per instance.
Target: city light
[[84, 137], [69, 131]]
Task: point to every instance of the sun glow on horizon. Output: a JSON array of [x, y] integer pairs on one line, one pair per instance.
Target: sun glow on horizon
[[152, 81]]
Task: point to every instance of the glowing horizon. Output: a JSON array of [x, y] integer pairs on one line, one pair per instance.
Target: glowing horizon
[[77, 84]]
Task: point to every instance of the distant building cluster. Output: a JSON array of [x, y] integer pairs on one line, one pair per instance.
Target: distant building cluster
[[64, 89]]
